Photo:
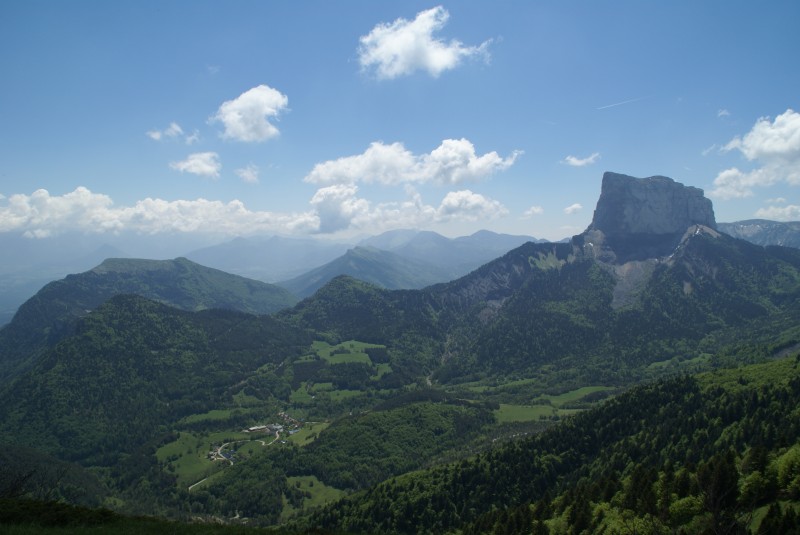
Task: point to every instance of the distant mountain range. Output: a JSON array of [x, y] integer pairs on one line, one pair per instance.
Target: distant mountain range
[[36, 262], [764, 232], [407, 259]]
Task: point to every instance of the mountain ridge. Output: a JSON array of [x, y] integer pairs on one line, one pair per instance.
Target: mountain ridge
[[50, 314]]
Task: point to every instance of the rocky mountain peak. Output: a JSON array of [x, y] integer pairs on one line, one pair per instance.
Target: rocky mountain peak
[[639, 218]]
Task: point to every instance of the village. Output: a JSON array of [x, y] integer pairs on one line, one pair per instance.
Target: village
[[289, 426]]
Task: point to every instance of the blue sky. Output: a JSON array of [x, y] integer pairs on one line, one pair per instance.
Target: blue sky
[[350, 118]]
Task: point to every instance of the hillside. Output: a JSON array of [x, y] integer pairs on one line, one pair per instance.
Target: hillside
[[50, 315], [555, 304], [710, 452], [131, 369]]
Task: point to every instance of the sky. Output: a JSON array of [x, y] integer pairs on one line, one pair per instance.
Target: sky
[[342, 119]]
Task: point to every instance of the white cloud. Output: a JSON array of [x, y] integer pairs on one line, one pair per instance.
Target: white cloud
[[573, 209], [339, 208], [452, 162], [469, 206], [723, 113], [172, 131], [780, 213], [40, 215], [247, 117], [774, 146], [776, 200], [709, 150], [402, 47], [193, 138], [333, 208], [532, 211], [248, 174], [199, 163], [581, 162]]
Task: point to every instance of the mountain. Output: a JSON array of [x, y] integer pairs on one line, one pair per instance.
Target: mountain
[[454, 256], [636, 219], [269, 259], [652, 284], [382, 268], [37, 262], [50, 314], [764, 232], [377, 382]]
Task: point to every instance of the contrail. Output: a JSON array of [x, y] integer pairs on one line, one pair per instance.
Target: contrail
[[624, 102]]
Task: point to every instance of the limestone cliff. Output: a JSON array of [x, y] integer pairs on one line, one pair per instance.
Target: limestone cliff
[[641, 218]]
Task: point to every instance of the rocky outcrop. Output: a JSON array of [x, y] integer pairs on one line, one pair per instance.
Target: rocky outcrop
[[641, 218]]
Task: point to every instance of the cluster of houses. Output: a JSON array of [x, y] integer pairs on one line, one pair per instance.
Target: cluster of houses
[[290, 425]]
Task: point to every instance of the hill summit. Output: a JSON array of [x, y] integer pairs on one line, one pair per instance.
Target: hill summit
[[640, 218]]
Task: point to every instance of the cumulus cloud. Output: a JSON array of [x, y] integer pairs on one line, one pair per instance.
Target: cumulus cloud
[[789, 212], [452, 162], [532, 211], [573, 209], [581, 162], [248, 174], [338, 207], [470, 206], [41, 215], [247, 117], [332, 209], [774, 146], [172, 131], [399, 48], [199, 163]]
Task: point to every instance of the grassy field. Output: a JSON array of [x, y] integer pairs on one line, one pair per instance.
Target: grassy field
[[308, 433], [301, 395], [319, 491], [350, 351], [523, 413], [187, 458], [575, 395]]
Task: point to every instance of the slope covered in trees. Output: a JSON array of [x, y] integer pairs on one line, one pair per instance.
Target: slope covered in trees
[[51, 314], [715, 452]]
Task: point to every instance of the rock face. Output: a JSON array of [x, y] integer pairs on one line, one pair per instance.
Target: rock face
[[640, 218]]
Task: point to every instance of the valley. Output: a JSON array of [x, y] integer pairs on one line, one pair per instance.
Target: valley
[[590, 384]]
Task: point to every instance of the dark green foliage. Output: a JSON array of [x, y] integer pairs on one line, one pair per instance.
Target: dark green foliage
[[27, 473], [676, 445], [132, 368], [359, 451], [254, 489], [52, 313]]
